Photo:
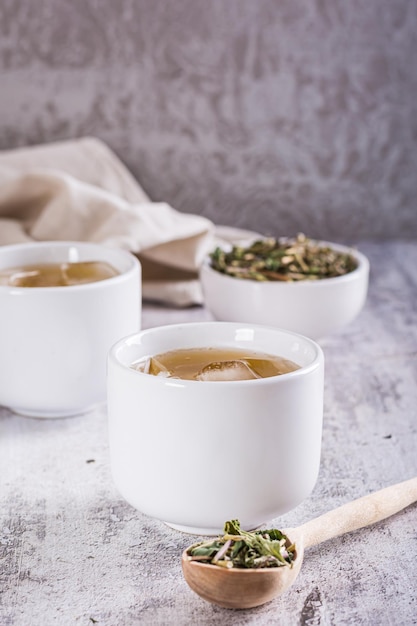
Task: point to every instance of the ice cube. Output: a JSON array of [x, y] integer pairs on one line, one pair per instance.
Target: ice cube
[[227, 370], [44, 277], [86, 272], [152, 366], [156, 368]]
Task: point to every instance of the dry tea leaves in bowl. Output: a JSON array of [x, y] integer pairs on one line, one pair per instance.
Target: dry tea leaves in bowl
[[284, 260], [245, 550]]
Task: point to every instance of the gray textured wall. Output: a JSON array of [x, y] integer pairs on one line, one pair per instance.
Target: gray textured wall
[[280, 115]]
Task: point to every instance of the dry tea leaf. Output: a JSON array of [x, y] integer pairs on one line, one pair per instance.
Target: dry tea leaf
[[245, 550], [284, 260]]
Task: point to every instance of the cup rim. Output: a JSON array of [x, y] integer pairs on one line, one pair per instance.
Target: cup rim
[[134, 266], [130, 339]]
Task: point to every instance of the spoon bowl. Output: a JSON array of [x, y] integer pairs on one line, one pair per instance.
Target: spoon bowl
[[239, 588], [247, 588]]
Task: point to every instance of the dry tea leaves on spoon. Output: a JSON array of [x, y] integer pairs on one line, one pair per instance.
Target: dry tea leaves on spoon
[[245, 550], [284, 260]]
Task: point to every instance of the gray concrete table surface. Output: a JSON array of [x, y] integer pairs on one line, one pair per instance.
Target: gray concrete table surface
[[72, 551]]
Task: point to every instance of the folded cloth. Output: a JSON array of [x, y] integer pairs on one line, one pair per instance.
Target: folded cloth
[[80, 191]]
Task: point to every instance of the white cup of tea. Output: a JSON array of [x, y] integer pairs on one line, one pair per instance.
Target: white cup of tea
[[196, 453], [54, 340]]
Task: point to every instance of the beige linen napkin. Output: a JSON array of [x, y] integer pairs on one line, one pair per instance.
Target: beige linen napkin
[[79, 190]]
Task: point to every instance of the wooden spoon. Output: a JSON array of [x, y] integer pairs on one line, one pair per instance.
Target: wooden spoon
[[247, 588]]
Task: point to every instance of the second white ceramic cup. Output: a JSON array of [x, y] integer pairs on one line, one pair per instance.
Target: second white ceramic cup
[[54, 340]]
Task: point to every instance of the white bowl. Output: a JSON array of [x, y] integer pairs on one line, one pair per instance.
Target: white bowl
[[313, 308], [194, 454], [54, 340]]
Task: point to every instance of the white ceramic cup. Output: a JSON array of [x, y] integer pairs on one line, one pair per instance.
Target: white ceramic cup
[[54, 340], [195, 454]]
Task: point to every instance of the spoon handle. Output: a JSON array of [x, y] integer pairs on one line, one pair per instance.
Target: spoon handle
[[359, 513]]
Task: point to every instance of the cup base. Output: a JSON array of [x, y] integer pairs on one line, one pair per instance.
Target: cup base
[[39, 414], [210, 532], [194, 530]]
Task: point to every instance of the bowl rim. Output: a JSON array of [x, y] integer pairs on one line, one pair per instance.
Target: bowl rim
[[362, 268], [247, 572], [134, 266]]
